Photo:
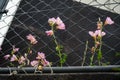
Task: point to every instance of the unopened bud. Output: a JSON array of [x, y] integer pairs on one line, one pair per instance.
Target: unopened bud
[[40, 67], [93, 50]]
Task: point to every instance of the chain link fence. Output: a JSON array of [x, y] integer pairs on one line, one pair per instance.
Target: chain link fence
[[79, 17]]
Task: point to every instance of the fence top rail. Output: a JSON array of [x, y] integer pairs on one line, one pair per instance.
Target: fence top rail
[[71, 69]]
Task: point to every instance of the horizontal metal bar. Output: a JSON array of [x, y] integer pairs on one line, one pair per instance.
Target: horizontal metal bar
[[71, 69]]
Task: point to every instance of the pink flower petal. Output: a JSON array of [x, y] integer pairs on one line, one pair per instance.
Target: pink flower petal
[[109, 21], [15, 49], [45, 63], [49, 33], [91, 33], [40, 56], [32, 39], [103, 33], [52, 21], [21, 60], [61, 26], [99, 33], [13, 58], [34, 63], [58, 21], [6, 56]]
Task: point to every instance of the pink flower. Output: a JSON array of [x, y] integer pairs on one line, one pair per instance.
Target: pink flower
[[13, 58], [21, 60], [32, 39], [58, 21], [40, 56], [61, 26], [109, 21], [92, 34], [6, 56], [52, 21], [49, 33], [15, 49], [34, 63], [99, 33], [45, 63]]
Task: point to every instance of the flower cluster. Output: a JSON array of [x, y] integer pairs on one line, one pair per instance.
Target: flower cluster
[[40, 60], [57, 24], [97, 36], [23, 60], [13, 58]]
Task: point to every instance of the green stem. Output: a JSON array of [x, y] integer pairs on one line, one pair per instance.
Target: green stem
[[100, 49], [84, 56], [29, 49], [91, 60], [93, 54], [100, 52], [59, 52]]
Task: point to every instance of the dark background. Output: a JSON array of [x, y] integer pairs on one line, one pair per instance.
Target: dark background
[[32, 17]]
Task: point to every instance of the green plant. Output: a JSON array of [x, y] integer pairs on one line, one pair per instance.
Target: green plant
[[98, 36], [57, 24]]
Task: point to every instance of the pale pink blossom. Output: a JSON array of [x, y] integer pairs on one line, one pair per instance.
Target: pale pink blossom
[[40, 55], [32, 39], [15, 49], [97, 33], [93, 34], [45, 63], [6, 56], [61, 26], [100, 33], [13, 58], [58, 21], [34, 63], [21, 60], [49, 33], [109, 21], [51, 21]]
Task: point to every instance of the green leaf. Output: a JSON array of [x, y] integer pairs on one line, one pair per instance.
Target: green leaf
[[59, 48], [117, 54], [99, 55], [64, 57]]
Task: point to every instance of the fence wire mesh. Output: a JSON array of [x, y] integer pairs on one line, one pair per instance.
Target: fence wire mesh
[[32, 18]]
